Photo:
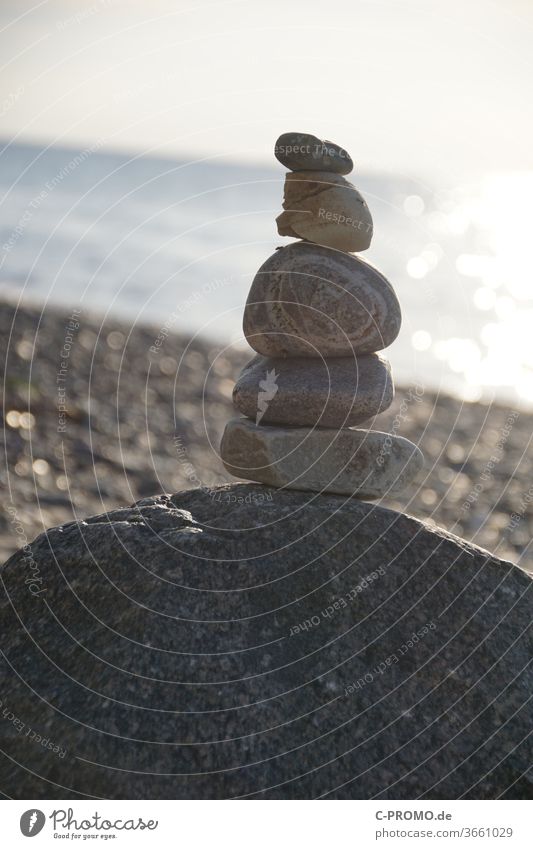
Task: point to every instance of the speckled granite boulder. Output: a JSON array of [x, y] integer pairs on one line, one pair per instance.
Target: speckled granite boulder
[[307, 300], [266, 644], [338, 392], [353, 462]]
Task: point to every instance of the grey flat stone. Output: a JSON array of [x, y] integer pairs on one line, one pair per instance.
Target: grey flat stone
[[358, 463], [303, 151], [272, 644], [325, 209], [338, 392], [307, 300]]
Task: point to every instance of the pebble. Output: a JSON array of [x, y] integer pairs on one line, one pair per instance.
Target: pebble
[[305, 152], [338, 392], [310, 301], [325, 209], [358, 463]]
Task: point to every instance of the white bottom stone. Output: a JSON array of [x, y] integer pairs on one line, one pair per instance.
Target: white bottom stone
[[349, 461]]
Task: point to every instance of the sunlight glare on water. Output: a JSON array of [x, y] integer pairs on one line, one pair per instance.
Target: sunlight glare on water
[[495, 223], [504, 213]]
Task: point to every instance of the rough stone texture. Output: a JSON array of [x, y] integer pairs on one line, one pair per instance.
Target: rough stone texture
[[338, 392], [325, 209], [360, 463], [303, 151], [307, 300], [160, 655]]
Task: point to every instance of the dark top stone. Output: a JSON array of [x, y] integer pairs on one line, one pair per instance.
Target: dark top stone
[[254, 642], [305, 152]]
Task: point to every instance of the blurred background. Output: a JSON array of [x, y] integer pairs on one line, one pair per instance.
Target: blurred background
[[139, 193]]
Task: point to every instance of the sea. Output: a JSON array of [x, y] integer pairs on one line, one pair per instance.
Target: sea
[[177, 243]]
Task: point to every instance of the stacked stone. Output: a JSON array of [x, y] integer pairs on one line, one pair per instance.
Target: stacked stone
[[317, 315]]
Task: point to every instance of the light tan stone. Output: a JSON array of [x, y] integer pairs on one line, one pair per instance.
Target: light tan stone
[[325, 209], [358, 463]]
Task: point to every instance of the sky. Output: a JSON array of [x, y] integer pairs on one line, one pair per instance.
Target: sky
[[420, 87]]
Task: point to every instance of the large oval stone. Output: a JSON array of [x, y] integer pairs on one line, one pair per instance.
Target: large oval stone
[[359, 463], [337, 392], [310, 301], [325, 209], [305, 152]]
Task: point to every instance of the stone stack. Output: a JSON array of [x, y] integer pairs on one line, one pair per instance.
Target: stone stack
[[317, 315]]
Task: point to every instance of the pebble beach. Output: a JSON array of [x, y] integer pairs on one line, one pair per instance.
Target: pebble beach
[[99, 413]]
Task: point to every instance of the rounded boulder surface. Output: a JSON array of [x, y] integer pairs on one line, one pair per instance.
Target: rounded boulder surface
[[338, 392], [325, 209], [305, 152], [354, 462], [311, 301], [244, 642]]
